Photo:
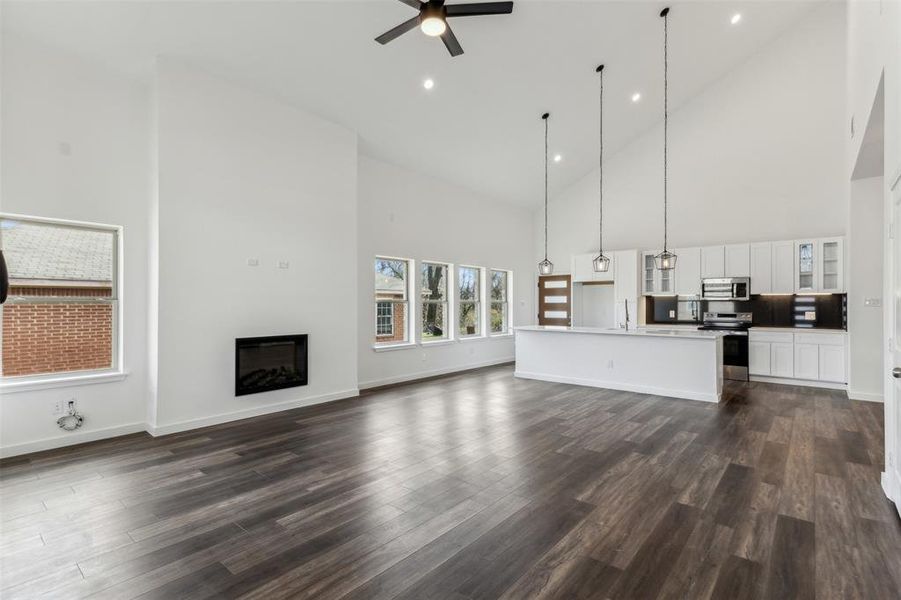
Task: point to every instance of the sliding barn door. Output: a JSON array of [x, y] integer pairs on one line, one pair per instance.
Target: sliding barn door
[[555, 300]]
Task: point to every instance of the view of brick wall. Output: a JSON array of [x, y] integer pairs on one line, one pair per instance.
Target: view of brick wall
[[400, 327], [52, 338]]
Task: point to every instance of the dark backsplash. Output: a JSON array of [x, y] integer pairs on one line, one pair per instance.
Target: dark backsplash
[[769, 311]]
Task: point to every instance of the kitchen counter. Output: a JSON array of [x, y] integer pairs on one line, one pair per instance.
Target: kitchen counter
[[799, 329], [676, 363], [649, 331]]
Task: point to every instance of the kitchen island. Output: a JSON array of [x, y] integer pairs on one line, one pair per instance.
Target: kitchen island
[[675, 363]]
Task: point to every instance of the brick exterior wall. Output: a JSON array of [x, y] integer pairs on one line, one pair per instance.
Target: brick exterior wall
[[56, 337], [400, 324]]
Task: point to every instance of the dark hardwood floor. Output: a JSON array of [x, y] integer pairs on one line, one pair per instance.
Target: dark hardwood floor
[[471, 486]]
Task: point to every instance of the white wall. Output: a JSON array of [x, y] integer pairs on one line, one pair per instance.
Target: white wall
[[48, 99], [244, 176], [757, 156], [864, 279], [405, 214]]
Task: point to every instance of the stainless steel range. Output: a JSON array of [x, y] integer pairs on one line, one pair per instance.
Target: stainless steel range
[[735, 342]]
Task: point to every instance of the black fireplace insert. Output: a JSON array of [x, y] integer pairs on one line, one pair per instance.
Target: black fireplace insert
[[270, 363]]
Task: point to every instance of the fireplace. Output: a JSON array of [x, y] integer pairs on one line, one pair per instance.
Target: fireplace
[[270, 363]]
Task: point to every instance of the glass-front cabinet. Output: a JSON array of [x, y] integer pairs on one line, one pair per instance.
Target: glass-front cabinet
[[805, 266], [831, 265], [654, 281]]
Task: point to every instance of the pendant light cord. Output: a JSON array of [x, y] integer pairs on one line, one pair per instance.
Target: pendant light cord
[[545, 117], [600, 70], [665, 15]]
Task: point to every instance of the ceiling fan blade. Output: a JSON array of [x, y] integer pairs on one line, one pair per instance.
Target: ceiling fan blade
[[413, 3], [479, 8], [398, 31], [450, 42]]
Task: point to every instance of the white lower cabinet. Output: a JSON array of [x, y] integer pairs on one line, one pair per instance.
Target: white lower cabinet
[[809, 356]]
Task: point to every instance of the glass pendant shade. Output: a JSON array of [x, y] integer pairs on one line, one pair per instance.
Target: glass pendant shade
[[665, 261], [601, 263], [545, 267]]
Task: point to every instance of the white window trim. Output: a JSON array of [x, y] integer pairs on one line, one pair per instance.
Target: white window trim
[[509, 303], [409, 342], [450, 307], [117, 372], [480, 303]]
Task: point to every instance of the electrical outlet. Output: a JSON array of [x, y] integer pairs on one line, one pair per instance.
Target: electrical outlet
[[609, 364], [672, 314], [810, 315]]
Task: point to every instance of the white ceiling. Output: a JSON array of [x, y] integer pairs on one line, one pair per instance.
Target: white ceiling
[[480, 126]]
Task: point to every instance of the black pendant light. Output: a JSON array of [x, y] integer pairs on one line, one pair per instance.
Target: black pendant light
[[666, 260], [601, 262], [545, 267]]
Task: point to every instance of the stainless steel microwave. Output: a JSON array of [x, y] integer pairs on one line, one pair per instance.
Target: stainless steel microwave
[[726, 288]]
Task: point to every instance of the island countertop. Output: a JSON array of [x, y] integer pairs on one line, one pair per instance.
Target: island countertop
[[641, 331]]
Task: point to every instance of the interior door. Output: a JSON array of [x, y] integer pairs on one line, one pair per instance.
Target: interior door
[[892, 412], [555, 300]]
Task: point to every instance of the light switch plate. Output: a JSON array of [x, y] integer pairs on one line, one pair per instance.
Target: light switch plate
[[253, 262], [283, 264], [874, 302]]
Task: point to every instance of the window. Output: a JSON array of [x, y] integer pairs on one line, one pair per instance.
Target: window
[[384, 319], [470, 310], [433, 290], [62, 314], [500, 302], [391, 300]]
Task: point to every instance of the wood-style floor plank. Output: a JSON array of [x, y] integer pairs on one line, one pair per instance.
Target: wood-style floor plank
[[471, 486]]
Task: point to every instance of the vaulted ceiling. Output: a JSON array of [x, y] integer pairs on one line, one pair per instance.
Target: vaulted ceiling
[[480, 125]]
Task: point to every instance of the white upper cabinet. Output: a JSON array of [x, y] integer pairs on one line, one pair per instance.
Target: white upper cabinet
[[688, 271], [654, 281], [583, 269], [713, 262], [783, 271], [831, 265], [805, 266], [737, 260], [762, 268]]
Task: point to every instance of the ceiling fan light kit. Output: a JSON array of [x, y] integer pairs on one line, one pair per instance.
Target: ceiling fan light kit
[[433, 16]]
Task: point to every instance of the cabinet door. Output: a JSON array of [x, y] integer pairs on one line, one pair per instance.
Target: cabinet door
[[761, 268], [581, 268], [713, 261], [831, 265], [832, 363], [648, 274], [783, 273], [738, 260], [688, 271], [807, 361], [782, 359], [759, 358], [666, 281], [805, 266]]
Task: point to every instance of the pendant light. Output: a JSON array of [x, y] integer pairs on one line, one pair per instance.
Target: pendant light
[[545, 267], [666, 260], [601, 263]]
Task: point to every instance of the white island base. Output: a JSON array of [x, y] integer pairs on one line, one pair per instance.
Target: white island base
[[678, 364]]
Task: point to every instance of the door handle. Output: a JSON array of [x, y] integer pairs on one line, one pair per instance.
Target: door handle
[[896, 372]]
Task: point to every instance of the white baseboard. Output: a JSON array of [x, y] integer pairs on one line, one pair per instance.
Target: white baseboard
[[802, 382], [364, 385], [625, 387], [865, 396], [238, 415], [891, 485], [71, 439]]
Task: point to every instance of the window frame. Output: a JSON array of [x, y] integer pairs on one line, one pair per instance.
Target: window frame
[[408, 302], [507, 302], [448, 302], [390, 316], [116, 370], [479, 302]]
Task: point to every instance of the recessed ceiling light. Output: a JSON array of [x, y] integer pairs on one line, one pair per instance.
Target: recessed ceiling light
[[636, 97], [558, 157], [428, 84], [736, 18]]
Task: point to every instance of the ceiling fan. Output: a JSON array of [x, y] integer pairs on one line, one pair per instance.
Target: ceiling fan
[[433, 15]]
